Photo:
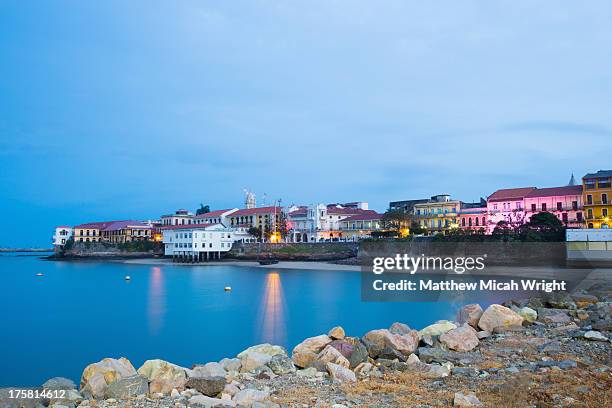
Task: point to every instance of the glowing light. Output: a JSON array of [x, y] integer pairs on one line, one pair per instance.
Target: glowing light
[[156, 307], [404, 232], [273, 326], [275, 237]]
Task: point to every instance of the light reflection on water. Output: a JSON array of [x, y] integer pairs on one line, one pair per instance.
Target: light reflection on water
[[272, 328], [156, 307]]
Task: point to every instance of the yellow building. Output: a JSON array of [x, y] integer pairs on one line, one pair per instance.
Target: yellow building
[[267, 219], [438, 214], [360, 226], [596, 197], [90, 232]]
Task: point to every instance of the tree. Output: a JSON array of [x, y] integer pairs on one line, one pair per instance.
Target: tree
[[415, 228], [204, 209], [543, 226], [396, 220], [255, 232], [503, 231]]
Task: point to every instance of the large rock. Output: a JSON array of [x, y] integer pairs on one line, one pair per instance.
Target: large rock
[[466, 400], [344, 347], [595, 336], [365, 370], [202, 401], [498, 316], [209, 386], [434, 354], [249, 396], [306, 352], [384, 344], [337, 333], [281, 365], [331, 355], [252, 360], [340, 374], [462, 338], [127, 387], [528, 314], [59, 383], [553, 316], [231, 364], [437, 329], [264, 348], [359, 354], [163, 376], [212, 369], [98, 376], [400, 328], [470, 314]]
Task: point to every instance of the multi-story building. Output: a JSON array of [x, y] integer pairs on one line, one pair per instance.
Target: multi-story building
[[120, 232], [597, 198], [473, 217], [360, 226], [438, 214], [214, 217], [197, 242], [91, 231], [507, 205], [62, 235], [267, 219], [406, 206], [180, 217], [564, 202]]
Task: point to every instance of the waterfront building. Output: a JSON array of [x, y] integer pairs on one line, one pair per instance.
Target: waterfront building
[[62, 234], [180, 217], [120, 232], [214, 217], [597, 199], [507, 205], [197, 242], [438, 214], [564, 202], [91, 231], [360, 226], [407, 206], [473, 217], [267, 219]]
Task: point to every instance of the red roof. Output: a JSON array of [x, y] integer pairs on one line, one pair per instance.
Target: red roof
[[348, 211], [365, 216], [556, 191], [216, 213], [257, 210], [97, 225], [188, 226], [508, 194], [115, 226]]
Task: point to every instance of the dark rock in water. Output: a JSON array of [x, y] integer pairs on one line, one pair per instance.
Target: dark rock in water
[[59, 383], [209, 386], [281, 365], [344, 347], [429, 354], [399, 328], [128, 387]]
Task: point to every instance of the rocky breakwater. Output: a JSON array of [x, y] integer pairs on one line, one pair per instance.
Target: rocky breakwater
[[541, 352]]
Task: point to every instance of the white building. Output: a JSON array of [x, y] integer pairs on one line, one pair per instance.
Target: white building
[[62, 234], [180, 217], [199, 242]]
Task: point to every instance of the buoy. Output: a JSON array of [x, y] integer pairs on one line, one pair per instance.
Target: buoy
[[127, 277], [228, 288], [40, 274]]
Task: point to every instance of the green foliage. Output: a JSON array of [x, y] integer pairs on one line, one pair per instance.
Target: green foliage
[[68, 245], [542, 227], [204, 209], [139, 246], [416, 229], [255, 232], [461, 235], [395, 220]]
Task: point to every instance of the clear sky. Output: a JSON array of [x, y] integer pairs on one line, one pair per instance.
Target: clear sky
[[131, 109]]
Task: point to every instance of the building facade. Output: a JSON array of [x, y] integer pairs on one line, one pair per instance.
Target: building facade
[[438, 214], [90, 232], [564, 202], [62, 235], [180, 217], [214, 217], [267, 219], [197, 242], [120, 232], [473, 218], [597, 196], [507, 205], [360, 226]]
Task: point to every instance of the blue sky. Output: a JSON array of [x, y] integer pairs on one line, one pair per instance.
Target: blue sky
[[124, 110]]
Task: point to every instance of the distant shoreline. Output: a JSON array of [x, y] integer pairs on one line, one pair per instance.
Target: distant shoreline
[[26, 249]]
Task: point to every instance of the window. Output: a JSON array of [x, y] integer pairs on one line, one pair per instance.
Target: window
[[579, 217], [483, 221], [604, 212], [463, 222], [495, 207], [470, 222], [543, 206], [533, 207], [476, 221], [519, 206], [564, 217], [574, 205], [559, 206], [604, 198], [590, 213], [589, 199]]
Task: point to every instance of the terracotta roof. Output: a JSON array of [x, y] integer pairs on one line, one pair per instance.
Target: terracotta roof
[[188, 226], [96, 225], [556, 191], [256, 210], [365, 216], [216, 213], [348, 211], [63, 226], [508, 194]]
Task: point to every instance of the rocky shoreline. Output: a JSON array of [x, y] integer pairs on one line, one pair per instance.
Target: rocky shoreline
[[552, 351]]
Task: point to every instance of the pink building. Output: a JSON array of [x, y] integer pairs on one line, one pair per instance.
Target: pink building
[[473, 218], [564, 202], [507, 205]]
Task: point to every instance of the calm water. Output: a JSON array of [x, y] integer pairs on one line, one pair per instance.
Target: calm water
[[81, 312]]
